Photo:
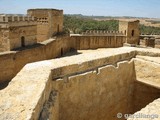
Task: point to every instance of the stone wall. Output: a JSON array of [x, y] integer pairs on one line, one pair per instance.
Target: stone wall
[[102, 33], [123, 26], [86, 86], [94, 42], [12, 62], [144, 94], [149, 42], [52, 49], [133, 33], [17, 31], [6, 18], [49, 22], [97, 94], [38, 89], [4, 40], [150, 112], [16, 34], [57, 21], [7, 64], [147, 82], [131, 30]]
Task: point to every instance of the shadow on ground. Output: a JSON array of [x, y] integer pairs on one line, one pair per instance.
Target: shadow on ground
[[4, 85]]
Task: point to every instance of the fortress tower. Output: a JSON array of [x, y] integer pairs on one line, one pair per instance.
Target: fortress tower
[[17, 31], [49, 22], [131, 30]]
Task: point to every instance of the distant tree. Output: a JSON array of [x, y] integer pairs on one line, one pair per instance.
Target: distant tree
[[79, 24], [149, 30]]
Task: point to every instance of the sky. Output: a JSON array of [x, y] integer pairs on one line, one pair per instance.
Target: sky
[[135, 8]]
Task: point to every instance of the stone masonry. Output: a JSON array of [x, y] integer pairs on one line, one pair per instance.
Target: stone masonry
[[131, 30], [23, 30], [17, 31], [49, 22]]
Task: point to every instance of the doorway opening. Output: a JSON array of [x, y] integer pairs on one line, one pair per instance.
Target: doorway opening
[[22, 41], [58, 28], [132, 33], [61, 51]]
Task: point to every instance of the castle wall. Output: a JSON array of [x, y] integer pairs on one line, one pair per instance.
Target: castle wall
[[7, 64], [42, 32], [16, 34], [144, 94], [133, 38], [17, 31], [131, 30], [49, 22], [150, 112], [123, 26], [96, 87], [147, 88], [57, 21], [98, 94], [1, 41], [89, 83], [146, 85], [54, 48], [12, 62], [4, 40], [94, 42]]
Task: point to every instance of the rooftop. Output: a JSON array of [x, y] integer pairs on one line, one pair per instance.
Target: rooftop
[[45, 9]]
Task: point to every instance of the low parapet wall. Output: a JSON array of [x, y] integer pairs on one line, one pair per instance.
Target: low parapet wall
[[32, 93], [102, 33], [94, 42], [86, 86]]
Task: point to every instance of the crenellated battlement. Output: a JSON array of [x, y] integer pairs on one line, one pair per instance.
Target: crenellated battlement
[[102, 33], [7, 21], [15, 18]]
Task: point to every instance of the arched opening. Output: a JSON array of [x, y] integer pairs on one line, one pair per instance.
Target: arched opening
[[132, 33], [22, 41]]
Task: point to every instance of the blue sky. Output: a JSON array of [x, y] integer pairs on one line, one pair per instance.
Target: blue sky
[[138, 8]]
